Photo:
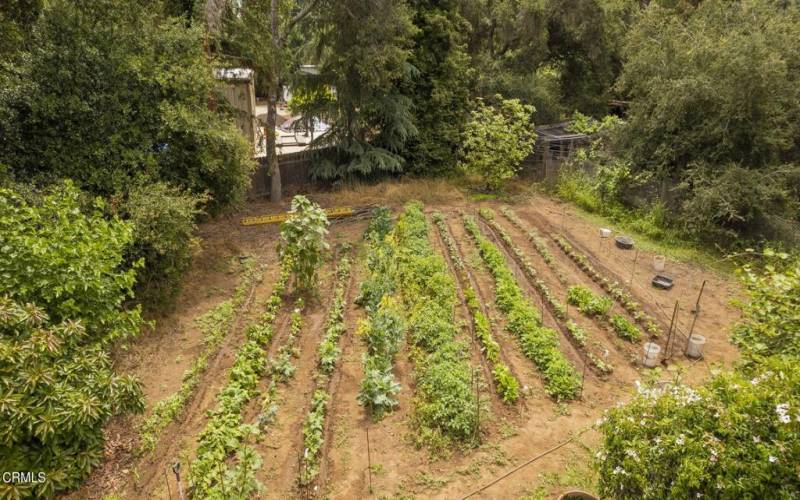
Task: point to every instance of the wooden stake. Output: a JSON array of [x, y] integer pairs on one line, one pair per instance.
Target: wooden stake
[[166, 480], [633, 269], [696, 313], [583, 378], [176, 468]]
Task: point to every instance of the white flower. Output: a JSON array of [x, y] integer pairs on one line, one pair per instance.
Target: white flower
[[783, 413], [773, 459], [618, 470], [756, 439], [681, 439]]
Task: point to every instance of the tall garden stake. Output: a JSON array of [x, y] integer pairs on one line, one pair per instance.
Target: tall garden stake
[[369, 462], [696, 313], [176, 468]]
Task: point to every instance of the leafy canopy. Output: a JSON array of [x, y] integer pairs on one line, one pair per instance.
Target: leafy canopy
[[303, 234], [62, 297], [497, 139]]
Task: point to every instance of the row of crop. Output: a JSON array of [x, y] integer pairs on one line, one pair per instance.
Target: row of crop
[[225, 431], [556, 305], [538, 342], [445, 405], [573, 330], [507, 385], [214, 325], [598, 307], [536, 240], [613, 288], [328, 354], [382, 330]]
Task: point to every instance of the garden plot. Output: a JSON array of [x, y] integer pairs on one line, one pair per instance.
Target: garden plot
[[434, 282]]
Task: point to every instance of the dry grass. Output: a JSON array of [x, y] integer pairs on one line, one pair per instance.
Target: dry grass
[[397, 192]]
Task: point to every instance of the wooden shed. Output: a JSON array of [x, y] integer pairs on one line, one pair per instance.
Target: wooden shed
[[238, 87]]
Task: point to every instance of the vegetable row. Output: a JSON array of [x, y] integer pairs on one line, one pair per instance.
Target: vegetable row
[[225, 433], [613, 288], [507, 385], [538, 343], [328, 354], [577, 334], [536, 240]]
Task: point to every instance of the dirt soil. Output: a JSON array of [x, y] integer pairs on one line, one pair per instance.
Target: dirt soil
[[361, 457]]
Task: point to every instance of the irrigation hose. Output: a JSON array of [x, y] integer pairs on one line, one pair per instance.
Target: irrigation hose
[[525, 464]]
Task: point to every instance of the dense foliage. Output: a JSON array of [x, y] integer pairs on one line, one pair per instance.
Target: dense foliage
[[445, 406], [303, 240], [108, 92], [497, 139], [62, 297]]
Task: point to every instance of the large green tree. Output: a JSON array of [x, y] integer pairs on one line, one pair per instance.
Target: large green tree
[[109, 91]]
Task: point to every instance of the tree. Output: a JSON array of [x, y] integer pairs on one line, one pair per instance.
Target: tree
[[109, 92], [260, 31], [717, 83], [62, 302], [364, 50], [439, 87], [497, 139]]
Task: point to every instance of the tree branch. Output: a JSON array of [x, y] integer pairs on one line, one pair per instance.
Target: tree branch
[[299, 17]]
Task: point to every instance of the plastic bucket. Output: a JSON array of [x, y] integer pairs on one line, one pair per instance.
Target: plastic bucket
[[577, 495], [659, 261], [605, 233], [695, 347], [651, 352]]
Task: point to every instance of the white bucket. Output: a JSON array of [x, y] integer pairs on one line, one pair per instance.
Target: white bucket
[[659, 262], [651, 352], [695, 347], [605, 233]]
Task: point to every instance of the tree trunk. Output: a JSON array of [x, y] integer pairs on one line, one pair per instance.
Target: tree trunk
[[275, 188]]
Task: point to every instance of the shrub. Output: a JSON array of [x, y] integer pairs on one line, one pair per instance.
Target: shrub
[[61, 308], [303, 234], [163, 219], [132, 92], [771, 315], [496, 140], [737, 436]]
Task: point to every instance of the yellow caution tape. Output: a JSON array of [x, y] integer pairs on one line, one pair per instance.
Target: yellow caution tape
[[332, 213]]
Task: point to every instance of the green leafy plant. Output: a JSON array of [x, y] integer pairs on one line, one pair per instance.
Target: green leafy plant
[[587, 302], [62, 307], [536, 239], [539, 343], [497, 139], [507, 385], [445, 409], [624, 328], [734, 437], [303, 234]]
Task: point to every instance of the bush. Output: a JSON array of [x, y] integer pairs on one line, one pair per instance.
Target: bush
[[587, 301], [107, 92], [771, 315], [737, 436], [497, 139], [163, 219], [61, 309]]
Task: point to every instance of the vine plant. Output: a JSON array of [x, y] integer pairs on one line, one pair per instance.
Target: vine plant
[[506, 383]]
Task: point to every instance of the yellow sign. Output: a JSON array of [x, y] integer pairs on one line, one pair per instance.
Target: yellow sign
[[332, 213]]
